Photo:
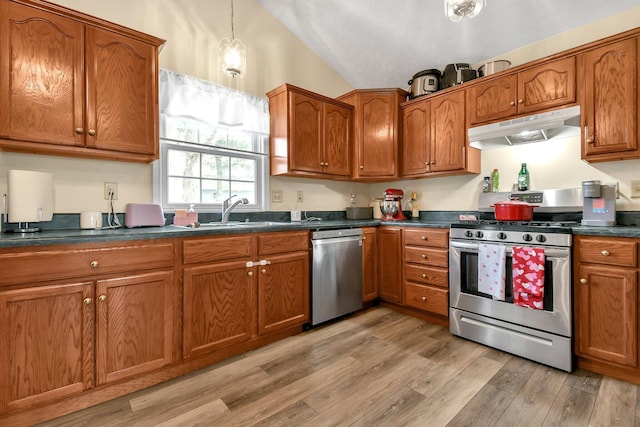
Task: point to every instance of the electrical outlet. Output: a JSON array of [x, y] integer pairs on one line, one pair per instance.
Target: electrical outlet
[[300, 196], [109, 188], [276, 196], [635, 188]]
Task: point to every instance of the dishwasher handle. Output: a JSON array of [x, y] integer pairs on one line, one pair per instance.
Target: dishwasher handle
[[321, 242]]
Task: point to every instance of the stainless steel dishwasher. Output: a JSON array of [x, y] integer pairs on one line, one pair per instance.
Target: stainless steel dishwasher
[[336, 273]]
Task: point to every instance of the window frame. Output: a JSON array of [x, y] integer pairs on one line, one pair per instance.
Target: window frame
[[161, 175]]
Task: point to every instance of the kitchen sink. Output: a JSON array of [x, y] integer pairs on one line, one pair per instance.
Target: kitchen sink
[[232, 224]]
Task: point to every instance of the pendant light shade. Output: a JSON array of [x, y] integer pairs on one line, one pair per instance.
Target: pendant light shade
[[455, 10], [233, 54]]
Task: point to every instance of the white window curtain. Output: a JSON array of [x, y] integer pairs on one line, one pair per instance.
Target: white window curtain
[[204, 121], [189, 97]]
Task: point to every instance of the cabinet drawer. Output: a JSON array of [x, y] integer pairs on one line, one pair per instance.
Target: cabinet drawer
[[52, 264], [427, 256], [426, 275], [426, 298], [277, 243], [609, 251], [217, 249], [426, 237]]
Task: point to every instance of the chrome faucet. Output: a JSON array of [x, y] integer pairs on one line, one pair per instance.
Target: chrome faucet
[[226, 208]]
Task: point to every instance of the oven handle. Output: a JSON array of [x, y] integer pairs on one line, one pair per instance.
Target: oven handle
[[473, 247]]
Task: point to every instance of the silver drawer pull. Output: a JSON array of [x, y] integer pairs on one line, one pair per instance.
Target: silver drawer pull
[[94, 264], [605, 253]]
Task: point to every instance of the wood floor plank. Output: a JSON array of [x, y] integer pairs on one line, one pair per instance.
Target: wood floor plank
[[256, 411], [615, 404], [351, 399], [532, 403], [491, 401], [572, 408], [295, 415], [459, 355], [203, 415], [451, 398]]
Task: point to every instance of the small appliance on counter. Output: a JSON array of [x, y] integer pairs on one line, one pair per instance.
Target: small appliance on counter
[[30, 199], [455, 74], [391, 205], [599, 206], [143, 215], [424, 82]]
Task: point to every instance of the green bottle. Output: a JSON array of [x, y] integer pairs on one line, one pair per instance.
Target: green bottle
[[495, 180], [523, 178]]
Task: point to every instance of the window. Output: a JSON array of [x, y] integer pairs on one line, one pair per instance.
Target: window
[[211, 147]]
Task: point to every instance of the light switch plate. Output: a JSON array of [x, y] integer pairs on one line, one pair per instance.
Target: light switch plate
[[635, 188], [276, 196]]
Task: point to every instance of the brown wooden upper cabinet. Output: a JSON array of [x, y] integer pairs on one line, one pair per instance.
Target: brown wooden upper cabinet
[[545, 86], [435, 137], [310, 134], [376, 132], [75, 85], [610, 114]]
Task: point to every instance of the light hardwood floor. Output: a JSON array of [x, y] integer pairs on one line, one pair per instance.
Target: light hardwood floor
[[381, 368]]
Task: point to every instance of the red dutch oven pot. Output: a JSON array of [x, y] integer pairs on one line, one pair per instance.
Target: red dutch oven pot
[[514, 211]]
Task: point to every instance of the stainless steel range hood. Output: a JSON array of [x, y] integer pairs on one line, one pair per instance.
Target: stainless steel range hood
[[523, 130]]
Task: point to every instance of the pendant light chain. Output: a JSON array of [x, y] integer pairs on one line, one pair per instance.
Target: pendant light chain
[[233, 36]]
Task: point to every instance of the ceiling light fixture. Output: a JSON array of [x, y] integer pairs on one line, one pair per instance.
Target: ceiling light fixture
[[455, 10], [233, 54]]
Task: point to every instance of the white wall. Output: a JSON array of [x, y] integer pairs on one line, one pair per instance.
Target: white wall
[[192, 30]]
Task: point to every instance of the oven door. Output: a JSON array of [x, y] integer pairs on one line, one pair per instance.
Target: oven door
[[554, 318]]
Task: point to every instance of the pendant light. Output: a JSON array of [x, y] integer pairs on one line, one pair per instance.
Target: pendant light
[[455, 10], [233, 54]]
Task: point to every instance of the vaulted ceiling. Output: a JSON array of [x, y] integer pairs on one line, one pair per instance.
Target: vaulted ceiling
[[383, 43]]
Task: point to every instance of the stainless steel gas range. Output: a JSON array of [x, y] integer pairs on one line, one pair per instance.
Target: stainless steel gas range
[[534, 322]]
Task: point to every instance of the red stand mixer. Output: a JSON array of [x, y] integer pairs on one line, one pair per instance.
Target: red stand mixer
[[391, 205]]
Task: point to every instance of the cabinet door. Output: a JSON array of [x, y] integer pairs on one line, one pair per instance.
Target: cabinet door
[[493, 100], [134, 325], [369, 264], [607, 314], [41, 77], [390, 264], [416, 134], [611, 92], [218, 302], [337, 138], [121, 93], [283, 292], [305, 145], [546, 86], [448, 132], [46, 344], [377, 148]]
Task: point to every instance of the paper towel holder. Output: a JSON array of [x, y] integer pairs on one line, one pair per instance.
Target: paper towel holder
[[30, 199]]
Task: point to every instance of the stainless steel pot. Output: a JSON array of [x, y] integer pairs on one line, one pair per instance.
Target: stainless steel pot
[[493, 67], [424, 83]]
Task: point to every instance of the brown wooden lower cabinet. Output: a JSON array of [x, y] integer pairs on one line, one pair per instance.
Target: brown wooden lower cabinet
[[390, 264], [606, 305], [369, 263], [47, 346]]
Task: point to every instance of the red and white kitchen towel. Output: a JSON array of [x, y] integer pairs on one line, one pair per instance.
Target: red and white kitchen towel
[[491, 270], [528, 277]]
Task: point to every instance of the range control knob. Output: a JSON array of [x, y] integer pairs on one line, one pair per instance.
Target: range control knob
[[527, 237], [468, 233], [479, 234], [541, 238], [502, 235]]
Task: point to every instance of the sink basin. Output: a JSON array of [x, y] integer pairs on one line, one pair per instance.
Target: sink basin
[[232, 224]]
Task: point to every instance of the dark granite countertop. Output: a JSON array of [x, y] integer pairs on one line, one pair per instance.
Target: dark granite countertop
[[54, 237], [70, 236]]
